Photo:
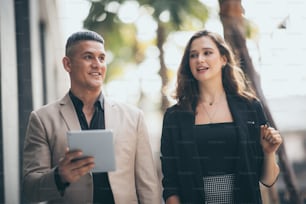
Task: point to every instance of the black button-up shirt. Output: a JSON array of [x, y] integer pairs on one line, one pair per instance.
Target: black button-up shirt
[[102, 190]]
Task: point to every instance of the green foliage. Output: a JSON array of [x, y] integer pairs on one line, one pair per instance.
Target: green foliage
[[178, 9], [251, 29], [121, 37], [110, 27]]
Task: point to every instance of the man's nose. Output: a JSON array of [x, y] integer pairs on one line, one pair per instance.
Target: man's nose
[[97, 62]]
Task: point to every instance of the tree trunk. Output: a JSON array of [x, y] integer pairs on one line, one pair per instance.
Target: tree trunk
[[234, 33], [163, 69]]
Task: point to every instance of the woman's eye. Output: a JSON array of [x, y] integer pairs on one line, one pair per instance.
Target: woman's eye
[[207, 52], [193, 55]]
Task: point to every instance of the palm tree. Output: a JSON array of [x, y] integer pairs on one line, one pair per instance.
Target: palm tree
[[234, 32]]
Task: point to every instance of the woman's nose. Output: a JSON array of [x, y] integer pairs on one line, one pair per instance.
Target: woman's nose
[[201, 58]]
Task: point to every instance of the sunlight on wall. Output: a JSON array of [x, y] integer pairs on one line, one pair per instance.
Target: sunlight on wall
[[72, 13], [280, 52]]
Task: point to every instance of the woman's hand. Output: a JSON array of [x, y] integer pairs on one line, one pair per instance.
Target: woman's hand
[[174, 199], [270, 139]]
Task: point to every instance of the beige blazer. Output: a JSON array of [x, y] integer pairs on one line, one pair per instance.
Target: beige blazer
[[135, 179]]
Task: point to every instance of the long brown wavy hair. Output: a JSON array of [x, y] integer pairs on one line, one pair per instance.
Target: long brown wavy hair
[[233, 78]]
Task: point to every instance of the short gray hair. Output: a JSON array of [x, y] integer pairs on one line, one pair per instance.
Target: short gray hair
[[80, 36]]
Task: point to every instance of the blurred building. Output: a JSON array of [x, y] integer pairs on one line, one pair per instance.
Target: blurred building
[[31, 48]]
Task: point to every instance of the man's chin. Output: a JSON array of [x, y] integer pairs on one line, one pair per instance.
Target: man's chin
[[96, 86]]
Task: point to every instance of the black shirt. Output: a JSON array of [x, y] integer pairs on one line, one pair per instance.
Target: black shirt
[[217, 146], [102, 190]]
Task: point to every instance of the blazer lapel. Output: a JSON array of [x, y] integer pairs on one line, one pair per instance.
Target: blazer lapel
[[111, 115], [69, 114], [240, 112], [190, 149]]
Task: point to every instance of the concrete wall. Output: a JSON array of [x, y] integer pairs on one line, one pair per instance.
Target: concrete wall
[[41, 12], [9, 103]]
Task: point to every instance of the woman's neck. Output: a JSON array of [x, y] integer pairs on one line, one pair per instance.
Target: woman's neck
[[211, 94]]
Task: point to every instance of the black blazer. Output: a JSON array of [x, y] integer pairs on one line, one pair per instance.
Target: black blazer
[[181, 168]]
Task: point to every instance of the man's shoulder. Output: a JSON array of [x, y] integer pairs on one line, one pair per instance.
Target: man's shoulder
[[122, 106], [51, 106]]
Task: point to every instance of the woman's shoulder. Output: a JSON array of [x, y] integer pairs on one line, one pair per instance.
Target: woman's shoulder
[[176, 111], [255, 102]]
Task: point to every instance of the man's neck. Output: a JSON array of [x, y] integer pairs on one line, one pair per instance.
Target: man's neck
[[87, 97]]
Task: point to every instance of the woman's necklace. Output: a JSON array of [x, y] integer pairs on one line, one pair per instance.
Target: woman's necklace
[[215, 107]]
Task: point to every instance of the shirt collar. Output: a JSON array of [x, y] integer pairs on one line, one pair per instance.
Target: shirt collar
[[77, 102]]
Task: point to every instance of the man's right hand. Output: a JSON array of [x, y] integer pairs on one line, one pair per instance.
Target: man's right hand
[[71, 168]]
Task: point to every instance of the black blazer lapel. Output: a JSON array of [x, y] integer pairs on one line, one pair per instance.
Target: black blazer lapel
[[239, 110], [246, 176], [189, 147]]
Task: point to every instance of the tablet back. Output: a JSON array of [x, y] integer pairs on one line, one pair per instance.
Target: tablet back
[[98, 143]]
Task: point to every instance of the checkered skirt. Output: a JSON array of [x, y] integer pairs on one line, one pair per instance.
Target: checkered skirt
[[219, 189]]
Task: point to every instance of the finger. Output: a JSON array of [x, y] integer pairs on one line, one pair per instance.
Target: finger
[[277, 139], [71, 155], [264, 129], [83, 170], [270, 138], [272, 130], [74, 170], [79, 163]]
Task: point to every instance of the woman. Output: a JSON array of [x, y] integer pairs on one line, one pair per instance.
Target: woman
[[216, 145]]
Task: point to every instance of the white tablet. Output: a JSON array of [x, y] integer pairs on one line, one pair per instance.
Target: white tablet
[[97, 143]]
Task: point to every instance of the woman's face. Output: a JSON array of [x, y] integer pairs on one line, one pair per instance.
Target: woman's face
[[205, 60]]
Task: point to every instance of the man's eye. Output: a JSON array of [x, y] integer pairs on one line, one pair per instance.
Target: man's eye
[[101, 59], [87, 57]]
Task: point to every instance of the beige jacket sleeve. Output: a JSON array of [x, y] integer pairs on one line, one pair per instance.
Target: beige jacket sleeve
[[38, 175], [147, 183]]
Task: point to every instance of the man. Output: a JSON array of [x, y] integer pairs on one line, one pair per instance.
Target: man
[[49, 172]]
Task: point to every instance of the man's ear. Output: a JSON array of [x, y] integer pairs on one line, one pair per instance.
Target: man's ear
[[67, 64]]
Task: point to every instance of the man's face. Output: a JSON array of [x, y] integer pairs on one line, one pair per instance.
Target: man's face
[[86, 65]]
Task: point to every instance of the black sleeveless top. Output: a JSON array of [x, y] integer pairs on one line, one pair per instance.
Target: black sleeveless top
[[217, 148]]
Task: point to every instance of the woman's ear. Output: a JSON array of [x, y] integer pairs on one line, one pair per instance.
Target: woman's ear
[[67, 64], [224, 60]]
